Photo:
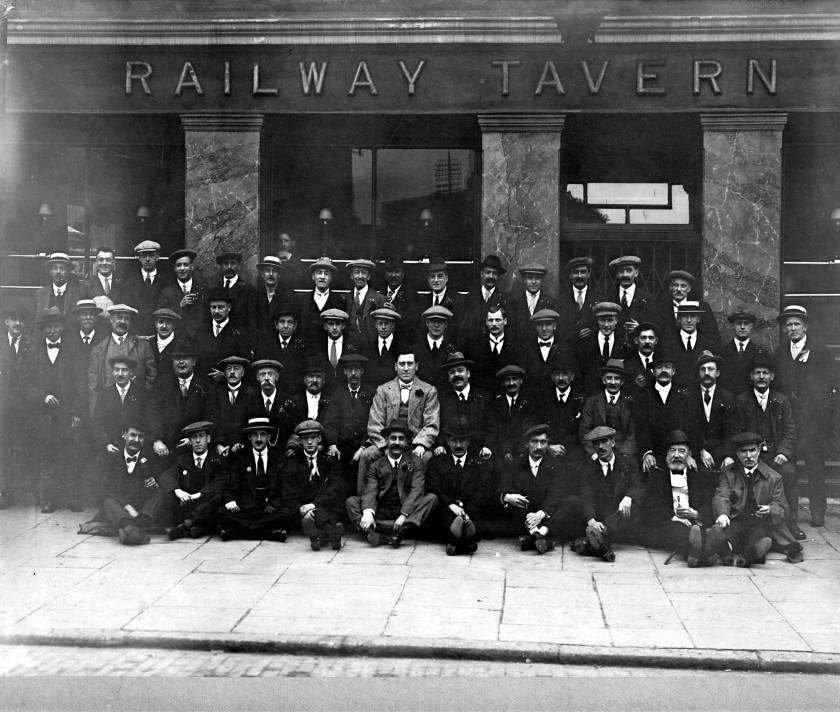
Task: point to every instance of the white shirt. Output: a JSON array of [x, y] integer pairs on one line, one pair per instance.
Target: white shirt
[[312, 405], [545, 347], [679, 493], [796, 348], [405, 390], [535, 465], [707, 407], [608, 340], [269, 400], [129, 466], [53, 353], [487, 294], [339, 346], [511, 401], [89, 336], [629, 293], [58, 291], [465, 392], [385, 343], [433, 343], [234, 391], [118, 339], [230, 282], [762, 398], [562, 395], [496, 345], [609, 396], [218, 326], [438, 297], [745, 342], [360, 294], [106, 282], [393, 462], [185, 382], [123, 391], [260, 456], [199, 460], [283, 342], [150, 275], [663, 391], [186, 287], [392, 293], [645, 360], [163, 343], [580, 293], [459, 461], [14, 342], [606, 466], [685, 335], [321, 298], [532, 301]]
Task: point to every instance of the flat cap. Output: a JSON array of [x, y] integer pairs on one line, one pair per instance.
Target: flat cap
[[539, 429], [235, 361], [747, 439], [739, 314], [353, 359], [386, 313], [334, 314], [165, 314], [147, 246], [599, 433], [533, 268], [681, 274], [121, 309], [511, 370], [606, 308], [544, 315], [200, 426], [267, 363], [178, 254], [365, 264], [308, 426], [127, 360], [626, 260], [228, 256], [437, 312], [579, 262]]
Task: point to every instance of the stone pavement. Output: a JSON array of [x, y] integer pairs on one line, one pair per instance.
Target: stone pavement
[[499, 604]]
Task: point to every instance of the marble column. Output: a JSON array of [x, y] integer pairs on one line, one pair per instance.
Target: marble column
[[520, 211], [742, 217], [222, 190]]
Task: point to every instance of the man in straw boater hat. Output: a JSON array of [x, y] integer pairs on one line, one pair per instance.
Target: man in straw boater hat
[[186, 297], [484, 296], [242, 296], [144, 285], [50, 386], [253, 506], [231, 404], [312, 304], [314, 489], [612, 407], [808, 374], [270, 294], [13, 345], [714, 412], [62, 292], [464, 486], [579, 296], [195, 483], [394, 503], [681, 284], [362, 301]]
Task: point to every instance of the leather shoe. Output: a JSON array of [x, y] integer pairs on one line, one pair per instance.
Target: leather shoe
[[132, 536], [469, 529], [581, 547], [276, 535], [542, 544], [197, 532], [815, 522], [526, 541], [75, 506], [456, 529], [798, 534], [226, 535], [315, 543], [740, 561], [758, 550], [598, 542], [178, 532], [374, 539], [472, 547], [335, 536], [50, 507], [715, 540], [451, 549], [795, 557], [608, 556]]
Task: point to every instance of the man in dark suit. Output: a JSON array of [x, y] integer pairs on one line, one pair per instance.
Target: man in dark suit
[[612, 494], [433, 346], [274, 403], [381, 349], [177, 402], [769, 413], [132, 496], [195, 483], [312, 305], [561, 407], [579, 297], [361, 301], [681, 285], [124, 401], [314, 490], [220, 338], [164, 339], [90, 330], [271, 294], [528, 301], [687, 343], [50, 378], [402, 298], [464, 486], [603, 345], [295, 274], [639, 361], [498, 347], [738, 353], [536, 353], [478, 301], [539, 504], [253, 501], [62, 292], [331, 345], [394, 497], [145, 285], [611, 407], [314, 402], [440, 295], [230, 405], [186, 297], [104, 286], [459, 399], [714, 410], [345, 419], [509, 415], [13, 345], [807, 374], [284, 346], [242, 296], [636, 304]]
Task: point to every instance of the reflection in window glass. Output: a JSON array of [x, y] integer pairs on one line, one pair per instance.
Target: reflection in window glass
[[77, 240], [676, 215], [362, 167], [587, 203], [627, 194]]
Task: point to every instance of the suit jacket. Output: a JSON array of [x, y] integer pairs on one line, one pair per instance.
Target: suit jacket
[[228, 420], [11, 360], [635, 367], [590, 358], [452, 301], [471, 487], [594, 413], [429, 362], [267, 311], [780, 434], [300, 408], [642, 308], [655, 419], [345, 420], [11, 408], [72, 294], [686, 375], [120, 294], [125, 487], [380, 367], [231, 341], [111, 413], [717, 432], [735, 373], [310, 324], [423, 412], [74, 337], [707, 327], [659, 499], [243, 309], [328, 492], [361, 326], [474, 410], [144, 297], [537, 367], [519, 315], [411, 482], [407, 302], [487, 362], [40, 378], [584, 318], [811, 384], [731, 493], [100, 374], [282, 414], [601, 496], [563, 418], [211, 480], [506, 426], [169, 411], [548, 491], [473, 313], [292, 358], [242, 484], [193, 316]]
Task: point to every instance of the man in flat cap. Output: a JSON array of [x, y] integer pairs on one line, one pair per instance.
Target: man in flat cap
[[437, 275], [312, 305], [123, 341], [271, 293], [164, 338], [497, 347], [381, 348], [688, 343], [807, 374], [479, 300], [464, 486], [611, 407], [612, 493], [177, 402], [636, 304], [314, 490], [120, 402], [345, 419], [509, 415], [220, 337], [284, 346], [394, 502], [681, 285], [738, 353], [144, 285], [715, 412], [460, 399], [433, 347], [331, 346], [593, 352], [579, 297], [195, 484], [536, 352], [769, 414], [186, 297], [253, 501], [561, 408], [13, 345], [50, 384], [401, 297], [539, 504], [751, 509], [528, 299], [362, 301], [242, 296], [231, 404], [62, 292]]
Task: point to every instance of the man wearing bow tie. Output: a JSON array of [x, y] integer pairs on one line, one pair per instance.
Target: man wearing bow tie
[[13, 345], [536, 353]]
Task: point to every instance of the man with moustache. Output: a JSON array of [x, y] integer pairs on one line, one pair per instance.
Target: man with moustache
[[459, 399], [220, 338], [612, 407], [401, 297], [769, 414], [464, 487], [145, 285], [164, 338], [433, 347], [751, 509], [715, 412], [494, 349], [579, 298], [284, 346], [381, 349], [314, 489], [253, 501], [509, 415], [612, 494], [639, 362], [270, 295], [125, 400], [313, 304], [230, 405], [195, 483], [89, 332], [688, 343], [121, 342], [738, 353], [528, 301], [394, 498], [681, 284], [477, 302], [13, 346], [242, 296], [345, 419], [603, 345], [437, 275], [362, 301], [313, 403], [561, 407], [186, 297], [61, 293], [274, 403], [636, 304]]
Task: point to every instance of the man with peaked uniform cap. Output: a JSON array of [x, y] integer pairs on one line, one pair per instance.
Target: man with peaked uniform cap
[[561, 407], [144, 285], [122, 401], [243, 296], [604, 344], [284, 345], [253, 501], [314, 490], [715, 412], [464, 486], [497, 347], [688, 343], [185, 296], [738, 353], [509, 415], [345, 419], [271, 293], [381, 349], [195, 483], [312, 304], [361, 301], [681, 285], [614, 407], [231, 404], [530, 298], [479, 300], [578, 298], [459, 399], [219, 338]]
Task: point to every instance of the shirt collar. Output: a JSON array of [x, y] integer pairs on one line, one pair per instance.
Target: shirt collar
[[745, 342], [761, 396], [61, 289], [235, 388], [550, 342], [796, 347], [145, 274], [186, 381], [87, 336], [534, 463], [317, 396], [388, 340], [465, 392], [630, 291], [663, 389], [119, 339], [393, 462], [497, 339], [684, 335], [233, 280], [165, 342], [126, 455], [57, 341], [711, 390], [562, 394], [609, 395], [532, 297], [582, 291], [432, 341], [360, 293], [609, 463], [221, 325], [487, 293], [456, 459], [186, 285], [511, 399]]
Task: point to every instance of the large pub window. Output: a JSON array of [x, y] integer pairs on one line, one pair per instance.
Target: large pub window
[[632, 184]]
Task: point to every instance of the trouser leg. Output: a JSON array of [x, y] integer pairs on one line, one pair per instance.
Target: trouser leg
[[354, 509], [370, 455], [811, 449], [423, 510], [567, 521]]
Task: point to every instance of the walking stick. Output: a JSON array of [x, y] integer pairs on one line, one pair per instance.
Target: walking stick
[[668, 560]]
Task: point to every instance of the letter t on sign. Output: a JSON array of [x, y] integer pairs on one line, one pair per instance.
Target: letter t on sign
[[505, 65]]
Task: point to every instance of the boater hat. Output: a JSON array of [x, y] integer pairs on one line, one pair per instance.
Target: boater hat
[[261, 423], [58, 258], [794, 310], [687, 307], [270, 261], [86, 305]]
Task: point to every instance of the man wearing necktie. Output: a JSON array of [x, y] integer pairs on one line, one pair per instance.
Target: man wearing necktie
[[274, 403], [124, 400], [186, 297], [751, 509], [480, 299], [561, 407], [402, 297], [509, 415], [432, 347], [335, 344], [636, 304], [194, 485], [362, 301], [681, 285], [530, 298], [64, 289], [714, 412], [230, 405], [13, 346], [441, 296], [601, 346], [345, 419], [313, 403], [611, 407], [91, 330], [768, 413], [688, 342], [142, 287], [242, 296], [314, 489], [639, 363], [579, 297], [221, 337], [739, 352], [460, 399], [380, 349]]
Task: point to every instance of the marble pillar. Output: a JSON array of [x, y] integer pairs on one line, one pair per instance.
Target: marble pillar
[[222, 190], [742, 216], [520, 211]]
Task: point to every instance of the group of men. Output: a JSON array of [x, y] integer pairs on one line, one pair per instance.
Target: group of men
[[249, 410]]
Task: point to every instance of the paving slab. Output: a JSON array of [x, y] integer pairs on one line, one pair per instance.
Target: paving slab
[[202, 619], [414, 621]]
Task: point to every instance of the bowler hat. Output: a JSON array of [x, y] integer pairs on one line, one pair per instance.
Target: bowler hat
[[286, 308], [614, 365], [183, 348], [664, 355], [599, 433], [493, 262], [677, 437], [437, 265], [200, 426], [398, 425], [458, 428], [127, 360], [763, 360], [562, 360], [228, 256], [138, 422], [394, 261], [308, 426], [49, 315], [219, 294], [456, 358], [315, 364], [261, 423]]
